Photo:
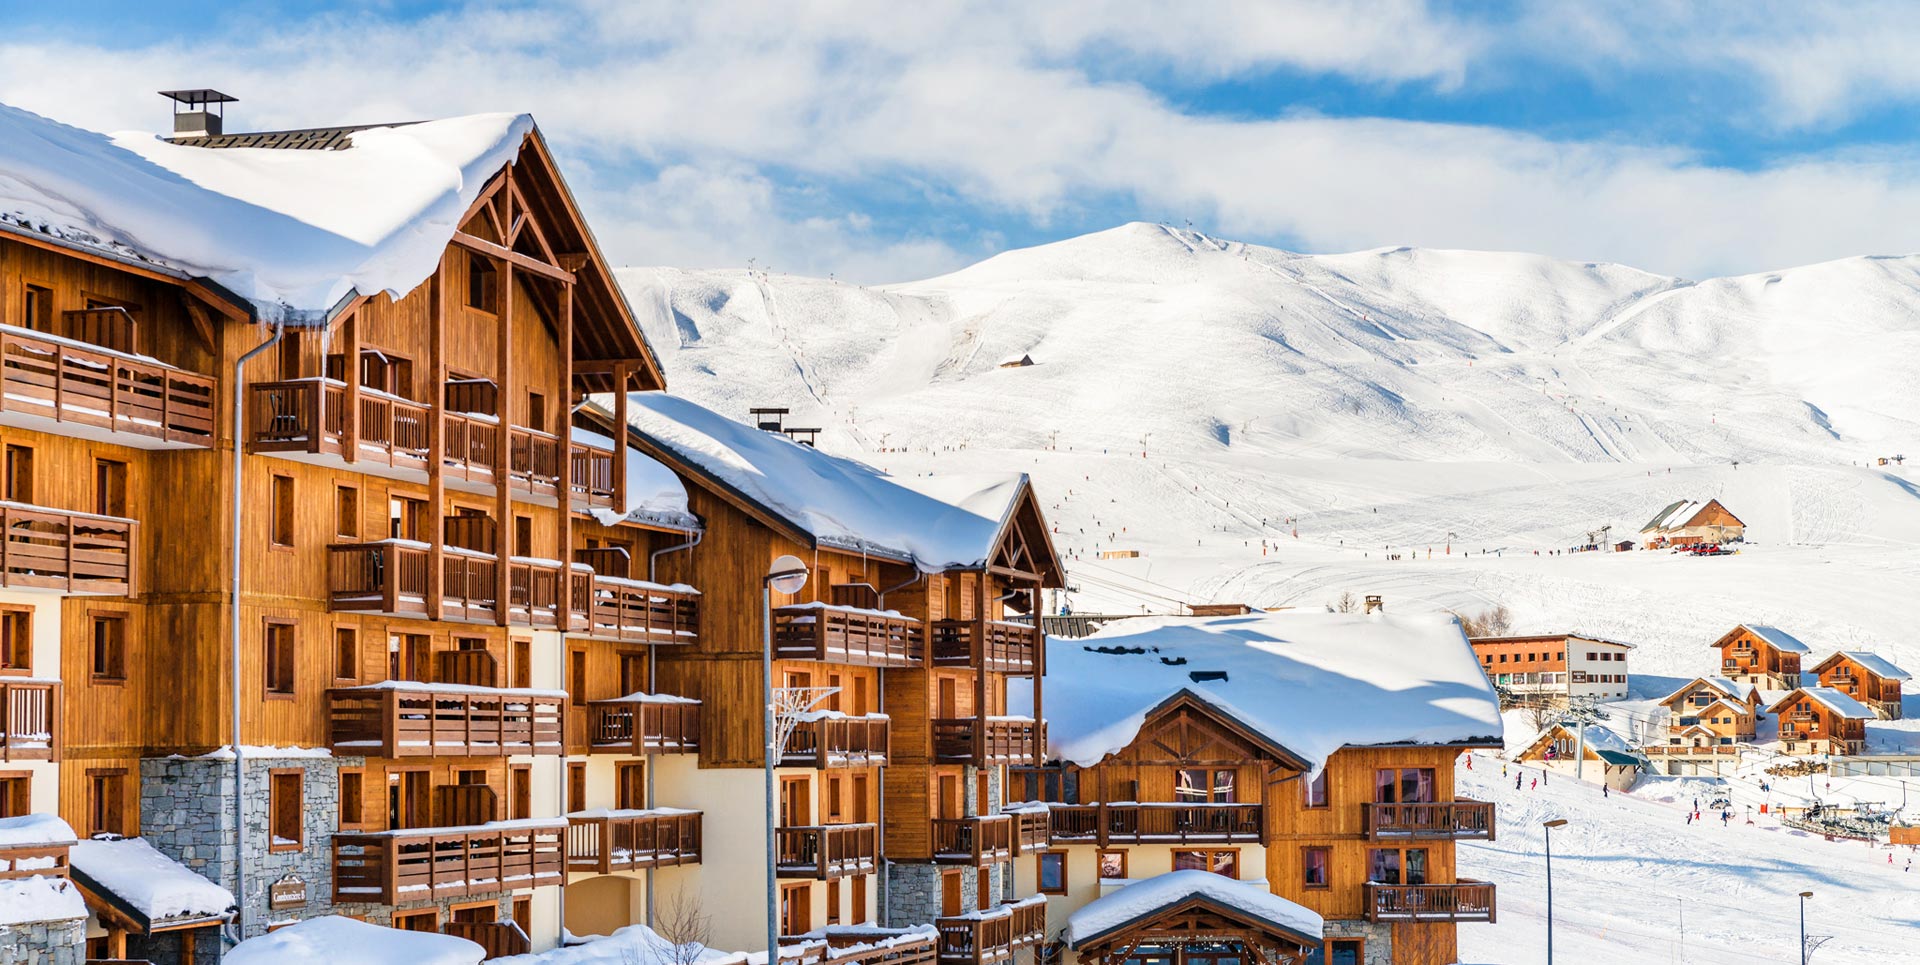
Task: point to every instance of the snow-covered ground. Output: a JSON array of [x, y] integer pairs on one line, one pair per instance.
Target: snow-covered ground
[[1433, 425]]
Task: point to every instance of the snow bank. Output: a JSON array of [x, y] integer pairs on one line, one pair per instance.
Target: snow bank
[[36, 899], [332, 940], [837, 501], [1311, 682], [632, 945], [155, 885], [1149, 895], [294, 232]]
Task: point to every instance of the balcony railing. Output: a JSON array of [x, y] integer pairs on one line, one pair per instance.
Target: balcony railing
[[66, 551], [1460, 820], [859, 945], [416, 864], [994, 740], [1177, 823], [590, 479], [826, 852], [607, 840], [65, 381], [1464, 901], [443, 720], [868, 638], [310, 415], [990, 644], [498, 938], [1032, 831], [994, 934], [635, 611], [644, 725], [35, 853], [837, 741], [390, 576], [982, 840]]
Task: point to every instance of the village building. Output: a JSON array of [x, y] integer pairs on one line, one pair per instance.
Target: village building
[[1590, 752], [1554, 669], [1821, 720], [1709, 715], [1764, 656], [1169, 753], [1866, 677], [1691, 523]]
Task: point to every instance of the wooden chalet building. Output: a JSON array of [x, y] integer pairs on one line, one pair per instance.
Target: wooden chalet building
[[1687, 522], [1598, 754], [1181, 745], [1766, 657], [1821, 720], [1709, 715], [1556, 668], [1866, 677]]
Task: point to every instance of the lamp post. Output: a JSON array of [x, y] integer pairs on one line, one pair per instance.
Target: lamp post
[[788, 575], [1803, 925], [1549, 826]]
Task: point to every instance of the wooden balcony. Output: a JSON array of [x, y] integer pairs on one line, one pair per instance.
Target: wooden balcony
[[986, 644], [393, 866], [59, 382], [635, 611], [849, 635], [993, 935], [838, 742], [655, 725], [1464, 901], [1106, 824], [590, 479], [42, 857], [1461, 820], [1032, 831], [390, 577], [311, 416], [472, 454], [605, 841], [53, 549], [498, 939], [443, 720], [859, 945], [827, 852], [994, 740], [982, 840]]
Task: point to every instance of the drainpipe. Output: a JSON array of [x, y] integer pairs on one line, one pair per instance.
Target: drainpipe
[[239, 769], [653, 563], [653, 558], [886, 867], [917, 577]]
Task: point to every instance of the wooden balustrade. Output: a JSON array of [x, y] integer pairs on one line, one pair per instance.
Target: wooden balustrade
[[65, 382], [827, 852], [29, 860], [993, 935], [612, 841], [986, 644], [1176, 823], [1032, 831], [1464, 901], [396, 721], [847, 635], [533, 460], [469, 447], [838, 742], [1460, 820], [66, 551], [590, 479], [980, 840], [643, 727], [31, 711], [498, 938], [633, 611], [391, 577], [393, 866], [994, 740]]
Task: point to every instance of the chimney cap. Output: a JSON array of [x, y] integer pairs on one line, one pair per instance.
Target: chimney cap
[[197, 98]]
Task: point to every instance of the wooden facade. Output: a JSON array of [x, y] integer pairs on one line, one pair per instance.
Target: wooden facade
[[1810, 723], [1867, 679], [1747, 656]]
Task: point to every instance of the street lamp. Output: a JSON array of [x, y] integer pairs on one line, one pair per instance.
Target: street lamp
[[1803, 925], [1549, 826], [788, 575]]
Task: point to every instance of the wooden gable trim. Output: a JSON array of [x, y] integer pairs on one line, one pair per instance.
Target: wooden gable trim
[[1187, 700], [483, 246], [1190, 918], [1190, 728]]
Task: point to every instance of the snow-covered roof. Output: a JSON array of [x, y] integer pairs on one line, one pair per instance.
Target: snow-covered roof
[[633, 945], [1599, 739], [1836, 701], [655, 496], [39, 898], [1872, 662], [35, 830], [1777, 638], [934, 523], [1743, 692], [294, 232], [1310, 682], [1672, 515], [1142, 900], [132, 872], [333, 940]]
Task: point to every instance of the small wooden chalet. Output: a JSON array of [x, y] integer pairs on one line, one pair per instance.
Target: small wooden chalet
[[1603, 756], [1193, 916], [1764, 656], [1821, 720], [1707, 713], [1866, 677], [1688, 523]]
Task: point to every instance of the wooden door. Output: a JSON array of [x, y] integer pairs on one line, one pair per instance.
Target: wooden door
[[408, 800], [983, 794], [861, 812], [949, 893], [948, 803], [948, 704], [796, 811]]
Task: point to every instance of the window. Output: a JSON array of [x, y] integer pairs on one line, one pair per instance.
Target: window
[[796, 908], [109, 487], [1407, 785], [106, 801], [16, 793], [1314, 865], [37, 308], [483, 291], [834, 797], [576, 787], [537, 411], [520, 792], [1221, 862], [522, 535], [833, 902], [353, 798], [1112, 864], [522, 663], [1388, 866], [1198, 785], [386, 373], [110, 646], [285, 808], [577, 677], [1316, 790], [346, 512], [857, 907], [425, 920], [278, 659], [346, 653], [1339, 951], [16, 640], [281, 518], [1053, 872], [630, 786], [19, 483]]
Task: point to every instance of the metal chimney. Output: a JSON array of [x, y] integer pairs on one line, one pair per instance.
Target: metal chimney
[[198, 113]]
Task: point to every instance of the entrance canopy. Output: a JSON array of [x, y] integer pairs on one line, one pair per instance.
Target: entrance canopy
[[1192, 916]]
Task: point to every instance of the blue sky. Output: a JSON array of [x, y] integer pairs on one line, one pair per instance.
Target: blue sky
[[885, 141]]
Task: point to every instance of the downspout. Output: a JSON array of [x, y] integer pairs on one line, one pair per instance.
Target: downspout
[[239, 769], [653, 558], [917, 577], [653, 563], [886, 867]]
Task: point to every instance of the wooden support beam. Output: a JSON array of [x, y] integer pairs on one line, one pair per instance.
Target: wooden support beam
[[621, 375], [512, 257], [565, 484], [439, 319], [503, 446], [202, 319], [980, 672]]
